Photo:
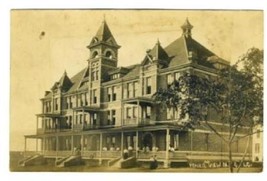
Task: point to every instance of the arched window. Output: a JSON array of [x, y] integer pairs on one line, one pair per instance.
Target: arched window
[[108, 54], [95, 54]]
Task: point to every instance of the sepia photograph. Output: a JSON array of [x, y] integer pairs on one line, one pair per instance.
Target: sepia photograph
[[120, 90]]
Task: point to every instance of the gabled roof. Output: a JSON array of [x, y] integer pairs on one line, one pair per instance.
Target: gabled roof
[[65, 82], [158, 54]]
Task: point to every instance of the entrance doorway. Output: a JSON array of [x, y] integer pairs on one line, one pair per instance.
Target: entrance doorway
[[148, 140]]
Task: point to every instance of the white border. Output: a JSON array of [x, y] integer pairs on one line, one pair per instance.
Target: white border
[[5, 8]]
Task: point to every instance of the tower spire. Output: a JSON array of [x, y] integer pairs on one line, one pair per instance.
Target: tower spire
[[187, 27]]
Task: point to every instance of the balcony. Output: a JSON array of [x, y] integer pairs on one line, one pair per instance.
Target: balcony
[[80, 127]]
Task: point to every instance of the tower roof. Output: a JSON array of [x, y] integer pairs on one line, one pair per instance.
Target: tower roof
[[103, 35]]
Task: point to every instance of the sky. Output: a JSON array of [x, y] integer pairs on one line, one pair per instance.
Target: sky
[[45, 43]]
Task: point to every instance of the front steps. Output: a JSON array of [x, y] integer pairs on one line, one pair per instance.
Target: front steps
[[32, 160], [69, 161]]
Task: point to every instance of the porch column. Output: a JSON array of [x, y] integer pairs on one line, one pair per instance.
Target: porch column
[[82, 146], [43, 145], [121, 143], [101, 147], [73, 120], [83, 119], [72, 144], [122, 114], [136, 146], [138, 112], [56, 147], [191, 140], [166, 162], [36, 148]]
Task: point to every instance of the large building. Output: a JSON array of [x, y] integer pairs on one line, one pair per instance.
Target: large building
[[105, 109]]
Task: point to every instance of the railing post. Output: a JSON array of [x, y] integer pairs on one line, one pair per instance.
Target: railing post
[[136, 146], [56, 147], [72, 144], [36, 148], [121, 143], [138, 112]]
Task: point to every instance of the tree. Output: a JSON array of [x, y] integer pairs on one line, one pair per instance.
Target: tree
[[235, 94]]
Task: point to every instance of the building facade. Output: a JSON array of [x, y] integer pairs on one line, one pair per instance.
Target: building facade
[[105, 109]]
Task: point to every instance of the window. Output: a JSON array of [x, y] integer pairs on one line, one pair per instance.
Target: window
[[113, 117], [135, 87], [135, 112], [81, 99], [81, 119], [148, 112], [94, 118], [169, 113], [66, 102], [128, 112], [56, 104], [108, 54], [257, 148], [85, 98], [95, 54], [109, 94], [169, 79], [112, 94], [130, 90], [177, 76], [148, 85], [116, 76], [109, 118], [70, 102], [96, 75], [94, 97], [95, 72]]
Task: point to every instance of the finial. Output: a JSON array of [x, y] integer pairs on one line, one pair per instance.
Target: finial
[[104, 17], [65, 72], [158, 41], [187, 27]]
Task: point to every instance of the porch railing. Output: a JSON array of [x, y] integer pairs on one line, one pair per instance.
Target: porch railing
[[111, 154], [138, 121], [91, 154], [130, 122]]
